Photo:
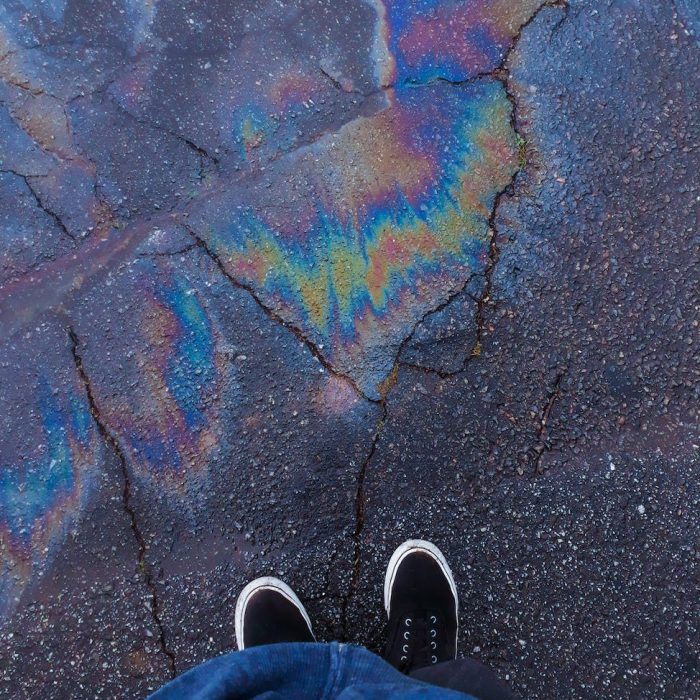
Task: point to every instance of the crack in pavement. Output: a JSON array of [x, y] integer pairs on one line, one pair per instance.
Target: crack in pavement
[[202, 153], [25, 86], [440, 307], [482, 300], [170, 253], [360, 522], [566, 8], [111, 441], [542, 445], [501, 73], [385, 389], [273, 315], [49, 212], [337, 83], [57, 219], [104, 93]]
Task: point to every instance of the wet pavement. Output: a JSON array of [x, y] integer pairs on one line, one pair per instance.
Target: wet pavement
[[284, 284]]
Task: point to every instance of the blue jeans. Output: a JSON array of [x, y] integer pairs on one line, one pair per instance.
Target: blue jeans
[[305, 671]]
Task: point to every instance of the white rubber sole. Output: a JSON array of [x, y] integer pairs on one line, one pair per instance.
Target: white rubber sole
[[265, 583], [403, 551]]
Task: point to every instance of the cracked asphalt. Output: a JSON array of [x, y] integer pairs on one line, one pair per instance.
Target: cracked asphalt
[[283, 285]]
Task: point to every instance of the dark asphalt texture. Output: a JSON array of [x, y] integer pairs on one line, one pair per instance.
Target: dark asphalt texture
[[559, 468], [541, 425]]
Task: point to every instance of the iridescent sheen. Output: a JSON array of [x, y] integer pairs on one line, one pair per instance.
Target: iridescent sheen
[[390, 215], [452, 40], [42, 494], [168, 422], [347, 185]]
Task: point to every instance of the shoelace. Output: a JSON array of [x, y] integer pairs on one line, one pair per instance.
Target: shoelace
[[420, 640]]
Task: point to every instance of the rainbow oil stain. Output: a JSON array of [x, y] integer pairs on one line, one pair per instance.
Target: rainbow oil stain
[[452, 40], [166, 422], [44, 493], [351, 238], [381, 221]]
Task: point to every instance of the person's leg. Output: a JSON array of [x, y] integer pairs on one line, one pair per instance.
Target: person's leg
[[467, 676], [420, 598]]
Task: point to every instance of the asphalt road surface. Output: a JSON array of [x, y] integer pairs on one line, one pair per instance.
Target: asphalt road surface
[[283, 284]]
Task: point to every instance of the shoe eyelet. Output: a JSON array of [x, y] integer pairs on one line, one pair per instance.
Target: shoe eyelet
[[433, 633], [404, 658], [406, 634], [433, 645], [433, 619], [408, 622], [405, 649], [434, 659]]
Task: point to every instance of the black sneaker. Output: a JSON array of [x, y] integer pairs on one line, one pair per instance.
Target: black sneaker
[[420, 597], [269, 612]]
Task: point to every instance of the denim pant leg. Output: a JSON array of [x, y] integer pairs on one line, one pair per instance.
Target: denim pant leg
[[466, 676], [298, 671]]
